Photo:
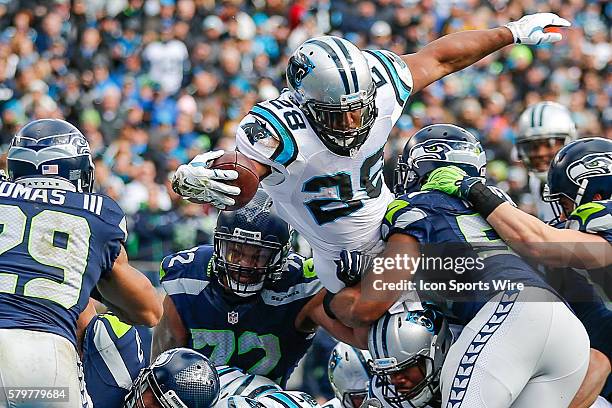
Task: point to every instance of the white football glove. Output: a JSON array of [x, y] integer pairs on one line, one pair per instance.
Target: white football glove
[[198, 183], [530, 29]]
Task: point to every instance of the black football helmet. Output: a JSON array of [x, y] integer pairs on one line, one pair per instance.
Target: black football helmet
[[437, 146], [250, 246], [51, 153], [178, 378]]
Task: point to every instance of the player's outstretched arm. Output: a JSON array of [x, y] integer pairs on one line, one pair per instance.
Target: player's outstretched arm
[[456, 51], [526, 234], [313, 315], [198, 183], [130, 294], [530, 237], [170, 332], [363, 304]]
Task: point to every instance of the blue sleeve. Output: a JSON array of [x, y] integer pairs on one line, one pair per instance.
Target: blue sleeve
[[115, 231], [184, 275], [593, 218], [404, 218], [190, 264], [112, 359]]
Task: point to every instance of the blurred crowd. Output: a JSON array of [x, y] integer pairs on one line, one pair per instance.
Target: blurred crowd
[[152, 83]]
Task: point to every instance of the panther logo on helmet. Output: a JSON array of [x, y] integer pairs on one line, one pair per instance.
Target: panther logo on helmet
[[299, 66], [421, 319]]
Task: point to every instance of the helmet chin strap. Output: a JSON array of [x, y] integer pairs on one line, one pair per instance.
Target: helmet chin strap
[[47, 182]]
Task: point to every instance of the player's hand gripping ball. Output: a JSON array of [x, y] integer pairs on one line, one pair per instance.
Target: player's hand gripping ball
[[225, 180]]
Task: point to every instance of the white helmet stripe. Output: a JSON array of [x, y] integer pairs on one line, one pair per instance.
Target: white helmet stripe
[[334, 55]]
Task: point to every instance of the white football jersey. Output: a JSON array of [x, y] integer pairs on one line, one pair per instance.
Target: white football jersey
[[336, 202], [234, 381]]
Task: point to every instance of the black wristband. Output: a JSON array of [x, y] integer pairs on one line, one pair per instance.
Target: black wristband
[[327, 304], [484, 200]]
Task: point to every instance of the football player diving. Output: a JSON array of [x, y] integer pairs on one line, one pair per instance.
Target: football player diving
[[528, 325], [58, 241], [246, 301], [318, 148], [580, 187]]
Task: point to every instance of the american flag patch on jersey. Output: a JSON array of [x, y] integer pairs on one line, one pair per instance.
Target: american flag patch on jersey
[[50, 169]]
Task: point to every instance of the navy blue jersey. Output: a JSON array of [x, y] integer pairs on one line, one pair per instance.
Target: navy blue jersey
[[594, 218], [54, 247], [458, 248], [584, 288], [255, 334], [112, 358]]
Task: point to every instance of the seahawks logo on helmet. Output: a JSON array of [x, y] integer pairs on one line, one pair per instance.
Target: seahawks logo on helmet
[[591, 165], [299, 66], [444, 150]]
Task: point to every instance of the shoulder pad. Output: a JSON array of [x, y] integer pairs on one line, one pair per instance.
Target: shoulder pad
[[265, 134], [594, 217], [112, 213], [400, 214], [186, 272], [396, 72], [299, 282], [298, 269], [114, 325]]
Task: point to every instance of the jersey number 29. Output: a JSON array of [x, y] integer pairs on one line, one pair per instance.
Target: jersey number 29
[[45, 227]]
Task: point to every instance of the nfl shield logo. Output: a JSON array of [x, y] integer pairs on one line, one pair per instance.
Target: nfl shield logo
[[232, 317]]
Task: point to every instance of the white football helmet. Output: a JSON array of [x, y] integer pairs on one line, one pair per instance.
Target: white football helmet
[[543, 122], [410, 344], [330, 80], [349, 374]]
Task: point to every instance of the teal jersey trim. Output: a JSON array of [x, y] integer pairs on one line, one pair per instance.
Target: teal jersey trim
[[286, 152]]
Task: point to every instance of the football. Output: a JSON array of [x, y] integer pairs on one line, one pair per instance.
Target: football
[[247, 180]]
